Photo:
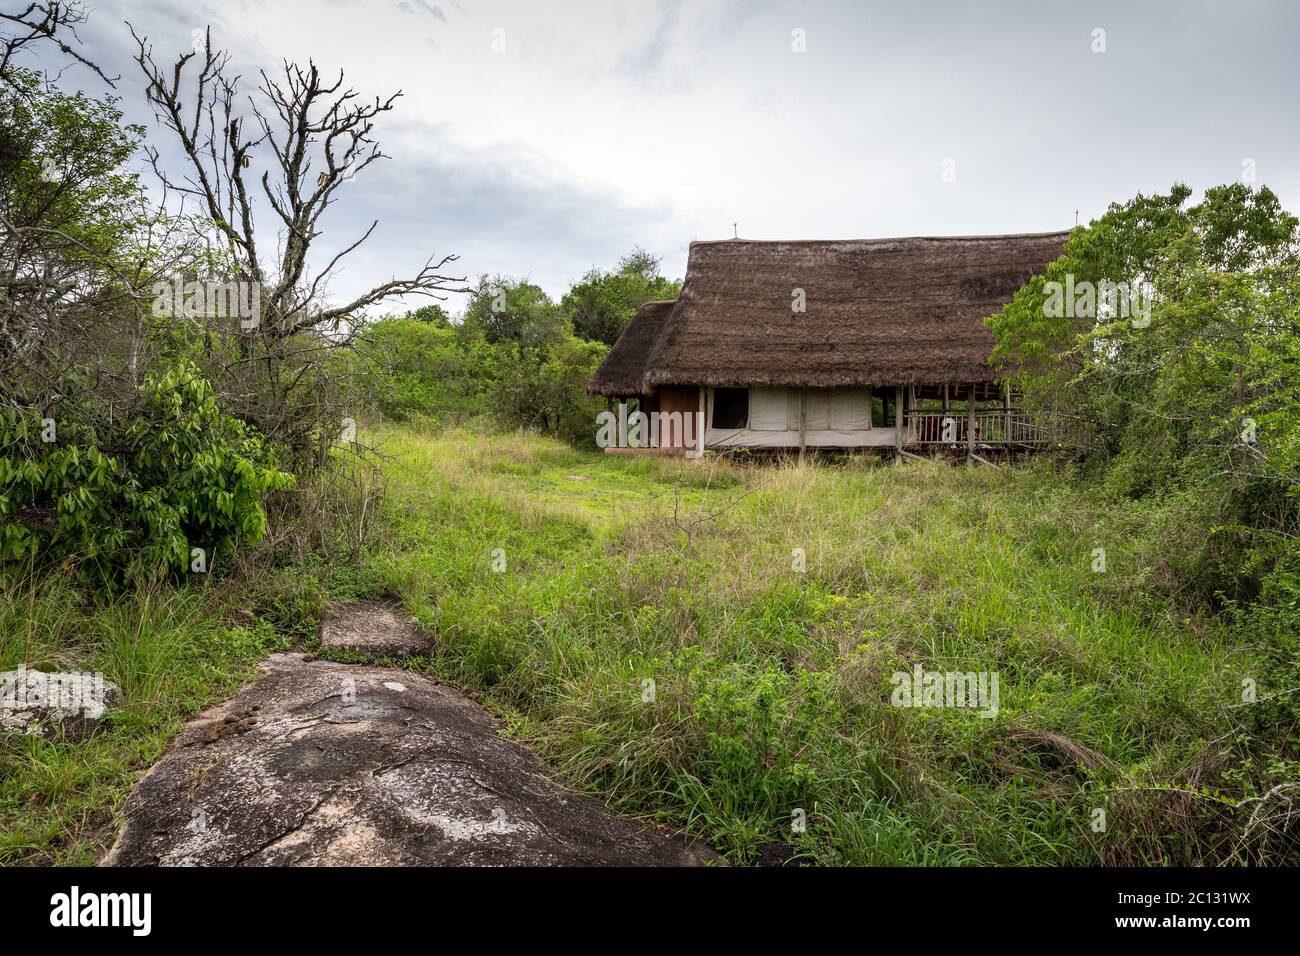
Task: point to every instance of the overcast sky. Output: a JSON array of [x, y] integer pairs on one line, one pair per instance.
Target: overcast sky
[[541, 138]]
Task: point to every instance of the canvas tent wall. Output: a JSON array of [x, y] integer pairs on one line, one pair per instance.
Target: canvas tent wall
[[780, 417]]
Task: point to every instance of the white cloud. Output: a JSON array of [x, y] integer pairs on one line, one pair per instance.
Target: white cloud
[[602, 125]]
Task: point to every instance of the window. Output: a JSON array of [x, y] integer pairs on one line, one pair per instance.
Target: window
[[883, 407], [730, 407]]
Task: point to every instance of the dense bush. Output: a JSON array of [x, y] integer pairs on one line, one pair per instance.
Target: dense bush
[[513, 359], [1193, 405], [1187, 415], [131, 497], [545, 389], [410, 369]]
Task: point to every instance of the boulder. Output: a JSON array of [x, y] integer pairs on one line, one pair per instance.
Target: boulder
[[374, 630], [320, 763]]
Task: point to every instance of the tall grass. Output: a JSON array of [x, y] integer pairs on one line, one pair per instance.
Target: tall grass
[[771, 686], [653, 638], [169, 653]]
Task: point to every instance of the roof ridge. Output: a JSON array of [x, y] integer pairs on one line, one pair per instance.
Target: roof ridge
[[988, 237]]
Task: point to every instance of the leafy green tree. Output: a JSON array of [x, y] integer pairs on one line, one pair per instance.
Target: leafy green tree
[[543, 367], [411, 368], [1190, 412], [545, 389], [603, 303], [1195, 401], [504, 309], [76, 256], [431, 314]]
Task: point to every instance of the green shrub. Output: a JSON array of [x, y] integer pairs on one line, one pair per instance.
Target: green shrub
[[410, 369], [132, 497], [1192, 406]]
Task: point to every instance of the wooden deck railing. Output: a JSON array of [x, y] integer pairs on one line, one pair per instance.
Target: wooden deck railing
[[993, 427]]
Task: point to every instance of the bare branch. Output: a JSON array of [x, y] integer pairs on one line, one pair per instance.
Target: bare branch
[[45, 21]]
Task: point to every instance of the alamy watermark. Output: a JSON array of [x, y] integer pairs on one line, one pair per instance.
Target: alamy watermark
[[211, 298], [75, 908], [1105, 300], [651, 430], [977, 690], [26, 690]]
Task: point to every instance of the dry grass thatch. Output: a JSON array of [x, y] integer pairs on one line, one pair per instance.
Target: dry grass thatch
[[877, 312], [623, 370]]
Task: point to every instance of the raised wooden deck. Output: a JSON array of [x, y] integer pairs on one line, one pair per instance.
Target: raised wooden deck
[[957, 428]]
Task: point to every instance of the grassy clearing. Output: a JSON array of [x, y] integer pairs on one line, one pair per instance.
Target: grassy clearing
[[771, 687]]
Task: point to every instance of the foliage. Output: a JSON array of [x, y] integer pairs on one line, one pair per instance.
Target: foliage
[[545, 389], [1190, 416], [417, 368], [62, 162], [603, 303], [431, 314], [75, 225], [131, 497], [503, 309], [513, 356], [1199, 407]]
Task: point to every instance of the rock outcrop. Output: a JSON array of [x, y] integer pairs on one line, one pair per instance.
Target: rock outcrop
[[334, 764]]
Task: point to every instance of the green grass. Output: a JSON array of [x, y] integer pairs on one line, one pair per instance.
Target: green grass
[[771, 687], [170, 654]]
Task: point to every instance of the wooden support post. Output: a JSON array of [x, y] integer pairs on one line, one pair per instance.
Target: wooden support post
[[911, 403], [898, 417], [970, 425], [803, 424], [704, 426], [1006, 413]]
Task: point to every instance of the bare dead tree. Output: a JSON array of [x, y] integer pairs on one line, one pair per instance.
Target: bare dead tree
[[312, 134], [319, 134], [47, 21]]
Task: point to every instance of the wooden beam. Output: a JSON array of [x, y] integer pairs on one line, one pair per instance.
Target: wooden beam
[[803, 424], [970, 423], [1006, 411], [898, 416], [911, 403], [704, 418]]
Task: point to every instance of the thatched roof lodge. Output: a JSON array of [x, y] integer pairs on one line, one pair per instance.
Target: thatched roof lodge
[[819, 343]]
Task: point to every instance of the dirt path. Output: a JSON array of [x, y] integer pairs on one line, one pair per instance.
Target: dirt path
[[319, 763]]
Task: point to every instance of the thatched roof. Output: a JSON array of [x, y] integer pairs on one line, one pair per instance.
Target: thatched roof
[[878, 312], [623, 370]]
